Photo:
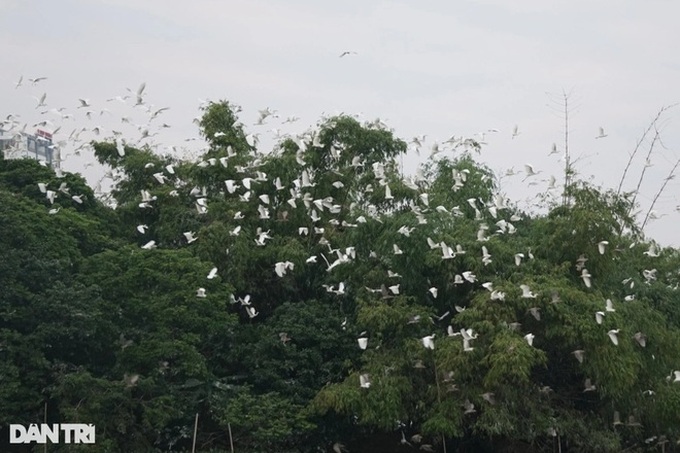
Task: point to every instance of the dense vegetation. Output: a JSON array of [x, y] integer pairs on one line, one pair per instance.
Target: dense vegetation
[[98, 324]]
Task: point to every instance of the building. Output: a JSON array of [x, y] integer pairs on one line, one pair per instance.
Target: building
[[38, 146]]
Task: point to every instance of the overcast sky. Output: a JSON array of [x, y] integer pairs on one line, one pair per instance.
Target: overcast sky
[[428, 67]]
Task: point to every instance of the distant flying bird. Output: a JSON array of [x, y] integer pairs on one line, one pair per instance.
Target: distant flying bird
[[529, 170], [613, 336], [347, 52], [364, 381], [601, 246], [579, 354], [149, 245], [41, 100], [586, 277], [526, 292], [428, 341], [641, 338], [36, 80], [609, 306], [602, 134]]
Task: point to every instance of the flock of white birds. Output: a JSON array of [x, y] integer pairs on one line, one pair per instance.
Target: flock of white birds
[[298, 196]]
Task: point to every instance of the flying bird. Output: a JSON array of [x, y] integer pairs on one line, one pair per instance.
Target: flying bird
[[601, 134], [347, 52], [613, 336]]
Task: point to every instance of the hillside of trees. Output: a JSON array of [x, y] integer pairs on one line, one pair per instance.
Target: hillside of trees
[[314, 299]]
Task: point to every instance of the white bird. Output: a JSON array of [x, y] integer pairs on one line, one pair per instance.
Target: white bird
[[530, 338], [251, 312], [388, 192], [397, 250], [609, 306], [447, 252], [189, 235], [529, 170], [338, 447], [586, 277], [281, 267], [589, 386], [469, 276], [41, 100], [428, 341], [526, 292], [518, 258], [231, 185], [613, 336], [212, 274], [363, 342], [149, 245], [579, 354], [641, 338], [486, 257], [653, 251], [200, 292], [364, 381], [602, 134], [535, 312], [142, 228], [433, 291], [601, 246], [599, 316]]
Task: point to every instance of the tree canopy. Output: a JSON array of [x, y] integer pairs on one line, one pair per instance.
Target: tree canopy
[[315, 298]]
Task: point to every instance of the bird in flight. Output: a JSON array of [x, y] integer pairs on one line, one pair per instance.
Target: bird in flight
[[347, 52], [602, 134]]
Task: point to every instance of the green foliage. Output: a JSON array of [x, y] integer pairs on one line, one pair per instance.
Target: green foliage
[[105, 332]]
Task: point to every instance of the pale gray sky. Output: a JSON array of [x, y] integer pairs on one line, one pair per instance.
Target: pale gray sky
[[427, 67]]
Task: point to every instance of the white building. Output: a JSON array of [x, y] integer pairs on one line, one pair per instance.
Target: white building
[[39, 146]]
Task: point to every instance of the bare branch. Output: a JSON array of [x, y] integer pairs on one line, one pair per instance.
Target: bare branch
[[670, 176], [639, 143], [644, 168]]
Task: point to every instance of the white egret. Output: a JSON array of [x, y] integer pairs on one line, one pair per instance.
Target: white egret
[[579, 354], [526, 292], [613, 336], [609, 306], [364, 381], [586, 277], [189, 235], [601, 246], [428, 341]]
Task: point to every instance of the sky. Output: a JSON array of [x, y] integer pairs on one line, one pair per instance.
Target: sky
[[434, 68]]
